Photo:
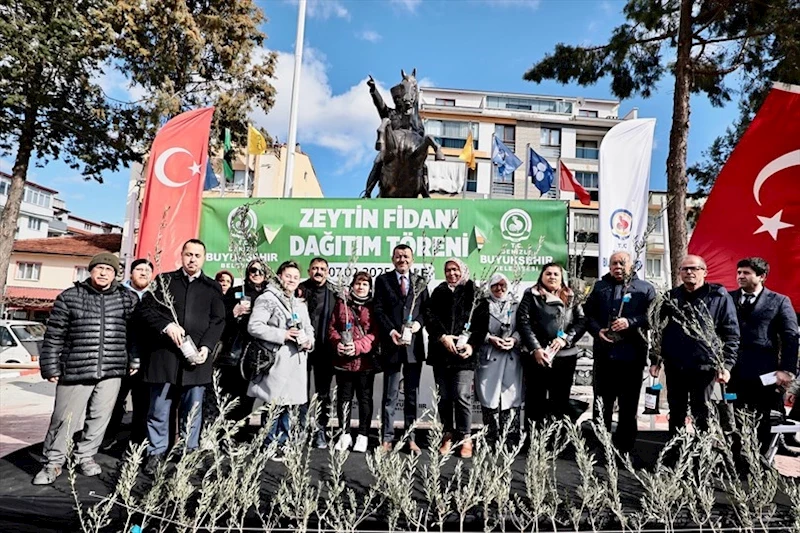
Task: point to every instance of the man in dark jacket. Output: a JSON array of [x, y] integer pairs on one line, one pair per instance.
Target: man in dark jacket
[[198, 314], [401, 359], [320, 299], [85, 353], [689, 363], [616, 317], [769, 343]]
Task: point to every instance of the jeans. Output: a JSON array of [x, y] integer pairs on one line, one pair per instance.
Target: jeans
[[688, 387], [360, 383], [619, 381], [547, 389], [409, 373], [161, 397], [280, 427], [455, 399]]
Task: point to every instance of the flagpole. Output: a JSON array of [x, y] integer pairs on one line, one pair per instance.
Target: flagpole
[[558, 180], [298, 60], [491, 174], [247, 165], [527, 168]]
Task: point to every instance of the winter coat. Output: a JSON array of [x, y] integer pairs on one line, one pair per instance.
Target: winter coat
[[498, 378], [603, 306], [446, 313], [87, 334], [320, 317], [365, 335], [287, 381], [236, 327], [541, 315], [201, 313], [391, 311], [768, 335], [681, 351]]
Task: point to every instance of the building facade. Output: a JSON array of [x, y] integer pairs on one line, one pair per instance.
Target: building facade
[[36, 212], [563, 130]]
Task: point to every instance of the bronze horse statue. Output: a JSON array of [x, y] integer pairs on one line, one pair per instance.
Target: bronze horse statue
[[399, 168]]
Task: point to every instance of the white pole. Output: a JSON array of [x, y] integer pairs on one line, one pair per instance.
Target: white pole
[[527, 168], [298, 61], [131, 216]]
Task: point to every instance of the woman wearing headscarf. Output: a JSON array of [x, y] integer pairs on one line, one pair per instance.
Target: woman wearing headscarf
[[353, 333], [238, 303], [447, 317], [550, 321], [498, 378]]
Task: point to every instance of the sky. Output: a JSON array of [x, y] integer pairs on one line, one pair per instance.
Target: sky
[[462, 44]]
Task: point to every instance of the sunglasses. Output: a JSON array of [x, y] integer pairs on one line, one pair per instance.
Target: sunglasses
[[255, 270]]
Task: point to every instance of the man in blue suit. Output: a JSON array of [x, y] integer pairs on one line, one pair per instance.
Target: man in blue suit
[[769, 343]]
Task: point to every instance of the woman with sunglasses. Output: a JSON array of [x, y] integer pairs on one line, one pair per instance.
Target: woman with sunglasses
[[238, 303]]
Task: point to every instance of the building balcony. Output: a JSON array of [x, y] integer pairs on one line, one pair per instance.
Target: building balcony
[[587, 153]]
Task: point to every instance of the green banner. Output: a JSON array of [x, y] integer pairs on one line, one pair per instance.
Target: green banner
[[517, 236]]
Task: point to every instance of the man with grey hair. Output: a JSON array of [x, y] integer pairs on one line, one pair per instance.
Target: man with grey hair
[[689, 363], [616, 316]]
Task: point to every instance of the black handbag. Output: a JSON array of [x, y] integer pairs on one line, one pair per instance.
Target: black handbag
[[225, 355], [257, 359]]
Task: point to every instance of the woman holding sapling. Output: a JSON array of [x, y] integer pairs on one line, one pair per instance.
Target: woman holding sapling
[[550, 321], [456, 329], [353, 333], [281, 320], [498, 378]]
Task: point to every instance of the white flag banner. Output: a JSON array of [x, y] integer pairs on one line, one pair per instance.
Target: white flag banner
[[624, 184]]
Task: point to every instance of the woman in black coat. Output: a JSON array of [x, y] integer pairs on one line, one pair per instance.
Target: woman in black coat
[[447, 317]]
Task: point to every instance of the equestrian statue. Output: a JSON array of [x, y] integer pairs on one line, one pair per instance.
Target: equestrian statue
[[399, 169]]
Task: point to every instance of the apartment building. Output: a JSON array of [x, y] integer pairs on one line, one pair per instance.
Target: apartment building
[[36, 211]]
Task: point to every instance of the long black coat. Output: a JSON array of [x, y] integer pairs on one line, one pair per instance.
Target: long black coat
[[391, 311], [768, 335], [87, 337], [446, 313], [201, 312]]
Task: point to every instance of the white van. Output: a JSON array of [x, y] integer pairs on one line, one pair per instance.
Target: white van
[[20, 341]]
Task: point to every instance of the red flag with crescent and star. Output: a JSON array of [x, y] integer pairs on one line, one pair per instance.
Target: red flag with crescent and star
[[174, 182], [754, 206]]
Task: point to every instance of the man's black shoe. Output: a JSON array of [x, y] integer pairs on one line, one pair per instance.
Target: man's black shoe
[[152, 464], [783, 450], [791, 440]]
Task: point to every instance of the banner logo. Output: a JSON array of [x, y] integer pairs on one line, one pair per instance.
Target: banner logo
[[240, 225], [621, 223], [515, 225]]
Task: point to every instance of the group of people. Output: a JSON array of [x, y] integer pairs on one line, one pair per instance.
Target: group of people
[[163, 341]]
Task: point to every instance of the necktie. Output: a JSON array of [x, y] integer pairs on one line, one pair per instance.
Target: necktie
[[749, 298], [403, 286]]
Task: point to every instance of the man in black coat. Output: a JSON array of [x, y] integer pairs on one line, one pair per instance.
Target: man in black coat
[[769, 343], [85, 352], [689, 364], [320, 299], [401, 359], [616, 317], [172, 373]]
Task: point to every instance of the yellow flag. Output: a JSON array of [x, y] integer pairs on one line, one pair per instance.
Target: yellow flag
[[256, 143], [468, 153]]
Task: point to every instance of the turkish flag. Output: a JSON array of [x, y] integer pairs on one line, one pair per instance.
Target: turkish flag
[[754, 206], [567, 182], [174, 187]]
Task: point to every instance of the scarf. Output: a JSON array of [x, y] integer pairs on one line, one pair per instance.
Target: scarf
[[498, 306], [358, 301], [464, 272]]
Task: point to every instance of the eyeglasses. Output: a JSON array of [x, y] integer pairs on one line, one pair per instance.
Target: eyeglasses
[[691, 268], [256, 271]]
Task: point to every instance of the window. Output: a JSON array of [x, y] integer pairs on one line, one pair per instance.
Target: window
[[587, 113], [452, 134], [4, 187], [6, 339], [508, 135], [550, 137], [653, 267], [32, 196], [586, 150], [28, 271], [29, 332], [529, 104], [447, 102], [87, 226], [586, 227], [35, 223], [81, 273], [657, 222], [588, 180], [472, 179]]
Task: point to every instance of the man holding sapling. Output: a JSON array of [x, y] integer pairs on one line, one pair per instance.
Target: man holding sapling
[[616, 317], [767, 359], [320, 299], [699, 343], [85, 352], [399, 297], [185, 316]]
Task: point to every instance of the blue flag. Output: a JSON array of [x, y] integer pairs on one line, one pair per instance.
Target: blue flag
[[503, 158], [540, 171], [211, 178]]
